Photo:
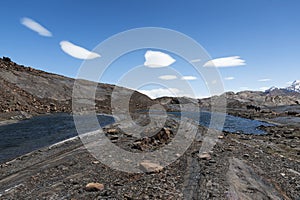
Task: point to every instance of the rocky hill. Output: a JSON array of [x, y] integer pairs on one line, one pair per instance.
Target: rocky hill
[[263, 99], [248, 104], [25, 90], [277, 97]]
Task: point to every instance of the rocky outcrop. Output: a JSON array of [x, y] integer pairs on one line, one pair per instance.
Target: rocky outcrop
[[244, 100], [36, 92]]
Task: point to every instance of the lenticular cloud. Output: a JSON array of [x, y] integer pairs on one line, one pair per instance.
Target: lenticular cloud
[[77, 51], [156, 59], [231, 61], [188, 78], [167, 77], [33, 25]]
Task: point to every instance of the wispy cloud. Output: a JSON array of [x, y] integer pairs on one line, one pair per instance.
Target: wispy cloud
[[77, 51], [232, 61], [195, 60], [33, 25], [264, 80], [156, 59], [188, 78], [229, 78], [168, 77]]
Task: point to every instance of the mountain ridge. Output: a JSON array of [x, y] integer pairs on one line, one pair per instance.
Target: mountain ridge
[[293, 87], [32, 91]]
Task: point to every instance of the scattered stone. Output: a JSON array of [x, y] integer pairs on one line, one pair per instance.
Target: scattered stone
[[205, 156], [94, 187], [221, 137], [150, 167], [114, 138], [96, 162], [212, 161], [209, 183], [293, 171], [112, 131], [246, 155]]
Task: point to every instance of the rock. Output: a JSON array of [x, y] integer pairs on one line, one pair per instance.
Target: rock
[[150, 166], [246, 155], [94, 187], [209, 183], [164, 135], [221, 137], [112, 131], [114, 138], [205, 156]]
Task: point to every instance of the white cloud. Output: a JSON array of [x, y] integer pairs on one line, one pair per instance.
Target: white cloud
[[160, 92], [188, 78], [33, 25], [264, 80], [225, 62], [229, 78], [195, 60], [264, 88], [168, 77], [77, 51], [157, 59], [289, 82]]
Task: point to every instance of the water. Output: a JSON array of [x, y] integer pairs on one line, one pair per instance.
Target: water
[[232, 124], [28, 135]]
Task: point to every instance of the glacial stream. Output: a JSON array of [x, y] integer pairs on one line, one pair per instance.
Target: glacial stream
[[28, 135]]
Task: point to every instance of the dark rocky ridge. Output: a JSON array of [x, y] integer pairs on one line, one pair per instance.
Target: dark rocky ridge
[[25, 90]]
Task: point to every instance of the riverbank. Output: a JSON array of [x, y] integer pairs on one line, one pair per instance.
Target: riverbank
[[244, 166]]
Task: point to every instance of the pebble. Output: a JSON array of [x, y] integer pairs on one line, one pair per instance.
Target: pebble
[[221, 137], [246, 155], [205, 156], [112, 130], [150, 167], [94, 187], [282, 174], [209, 183]]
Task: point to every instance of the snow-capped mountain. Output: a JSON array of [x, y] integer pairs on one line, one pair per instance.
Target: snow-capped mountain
[[271, 89], [294, 87]]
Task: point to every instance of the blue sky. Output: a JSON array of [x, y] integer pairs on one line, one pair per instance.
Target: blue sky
[[264, 33]]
